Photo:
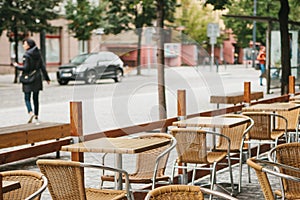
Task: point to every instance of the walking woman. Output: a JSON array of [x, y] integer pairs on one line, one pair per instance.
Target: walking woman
[[32, 64]]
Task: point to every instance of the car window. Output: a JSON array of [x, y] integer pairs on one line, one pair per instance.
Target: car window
[[104, 56], [79, 59], [93, 58]]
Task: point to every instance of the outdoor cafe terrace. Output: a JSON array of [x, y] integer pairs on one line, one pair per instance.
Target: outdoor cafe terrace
[[92, 177]]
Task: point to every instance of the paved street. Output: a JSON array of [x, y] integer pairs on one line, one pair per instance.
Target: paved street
[[108, 105]]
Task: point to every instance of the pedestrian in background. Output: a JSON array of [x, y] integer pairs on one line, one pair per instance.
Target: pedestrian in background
[[261, 57], [32, 63]]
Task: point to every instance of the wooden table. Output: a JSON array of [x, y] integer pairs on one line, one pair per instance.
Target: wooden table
[[234, 98], [117, 146], [211, 122], [273, 107]]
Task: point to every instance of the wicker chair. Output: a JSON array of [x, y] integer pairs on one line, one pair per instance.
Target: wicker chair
[[66, 181], [184, 192], [288, 154], [237, 135], [150, 165], [262, 168], [293, 123], [263, 131], [32, 184], [192, 148]]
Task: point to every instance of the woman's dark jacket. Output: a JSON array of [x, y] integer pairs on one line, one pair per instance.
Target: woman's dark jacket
[[32, 60]]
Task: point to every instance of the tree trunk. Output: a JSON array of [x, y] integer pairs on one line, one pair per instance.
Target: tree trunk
[[139, 32], [16, 40], [160, 60], [285, 45]]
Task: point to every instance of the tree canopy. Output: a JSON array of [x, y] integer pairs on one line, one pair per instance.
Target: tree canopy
[[27, 16], [84, 18], [283, 12]]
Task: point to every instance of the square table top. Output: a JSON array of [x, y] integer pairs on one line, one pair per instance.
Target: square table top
[[117, 145], [235, 97], [211, 122], [279, 106]]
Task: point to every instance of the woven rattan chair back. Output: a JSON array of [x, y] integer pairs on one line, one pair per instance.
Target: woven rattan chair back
[[262, 125], [235, 134], [150, 165], [66, 181], [289, 154], [32, 184], [191, 146], [293, 120], [184, 192], [262, 178], [145, 163], [194, 147]]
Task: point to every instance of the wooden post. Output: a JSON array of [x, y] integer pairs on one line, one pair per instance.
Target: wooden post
[[247, 92], [1, 192], [181, 113], [181, 104], [76, 127], [292, 85]]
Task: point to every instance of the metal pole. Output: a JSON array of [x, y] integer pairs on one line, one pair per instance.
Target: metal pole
[[212, 56], [254, 36]]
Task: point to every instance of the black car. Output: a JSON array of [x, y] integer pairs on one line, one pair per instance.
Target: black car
[[91, 66]]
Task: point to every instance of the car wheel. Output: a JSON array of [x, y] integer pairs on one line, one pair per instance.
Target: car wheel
[[90, 77], [119, 76], [63, 82]]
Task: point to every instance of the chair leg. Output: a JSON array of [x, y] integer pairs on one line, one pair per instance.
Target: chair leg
[[194, 175], [258, 150], [230, 173], [240, 171], [213, 178], [101, 183], [173, 172], [249, 156]]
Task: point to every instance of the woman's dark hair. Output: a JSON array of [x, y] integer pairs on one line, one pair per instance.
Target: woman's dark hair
[[30, 42]]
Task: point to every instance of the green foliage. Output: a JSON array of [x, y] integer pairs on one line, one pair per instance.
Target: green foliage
[[29, 15], [84, 18], [117, 17], [194, 18], [133, 14], [243, 28]]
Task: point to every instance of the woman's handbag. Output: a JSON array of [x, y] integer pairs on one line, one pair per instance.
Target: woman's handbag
[[28, 78]]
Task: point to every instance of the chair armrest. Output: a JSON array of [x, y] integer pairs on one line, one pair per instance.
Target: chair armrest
[[127, 184], [277, 173], [173, 145], [40, 190], [217, 194]]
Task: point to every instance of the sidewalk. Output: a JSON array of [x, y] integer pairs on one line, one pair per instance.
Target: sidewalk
[[7, 69]]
